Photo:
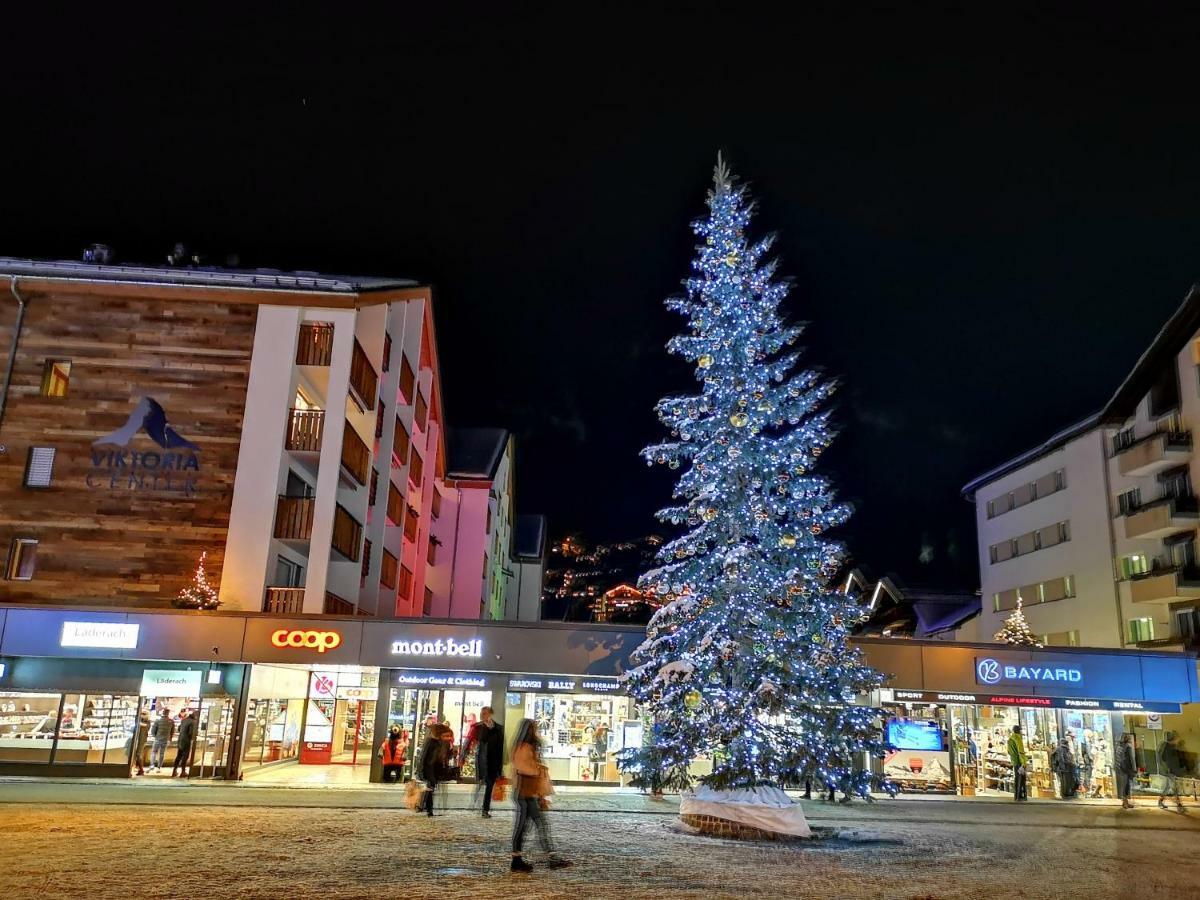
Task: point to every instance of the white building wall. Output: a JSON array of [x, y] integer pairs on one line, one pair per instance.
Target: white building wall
[[1086, 557], [249, 556]]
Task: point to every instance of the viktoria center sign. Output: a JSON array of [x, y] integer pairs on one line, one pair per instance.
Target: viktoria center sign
[[173, 467], [992, 671], [439, 647]]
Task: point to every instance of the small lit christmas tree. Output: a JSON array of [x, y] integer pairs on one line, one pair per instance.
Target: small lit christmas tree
[[199, 594], [1015, 630]]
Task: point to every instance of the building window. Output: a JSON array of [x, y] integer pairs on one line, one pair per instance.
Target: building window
[[373, 490], [287, 573], [1132, 566], [22, 560], [39, 467], [56, 377], [1069, 586], [387, 570], [366, 559], [1128, 502], [431, 553], [1060, 479], [427, 606], [387, 351], [408, 379], [379, 420], [995, 603], [1123, 439], [1141, 630], [405, 587], [1060, 639], [994, 553], [1064, 531], [437, 504]]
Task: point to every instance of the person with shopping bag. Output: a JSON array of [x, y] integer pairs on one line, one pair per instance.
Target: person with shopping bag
[[487, 738], [531, 791], [434, 767]]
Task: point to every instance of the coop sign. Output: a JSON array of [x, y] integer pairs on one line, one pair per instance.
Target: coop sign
[[309, 640], [440, 647], [992, 671]]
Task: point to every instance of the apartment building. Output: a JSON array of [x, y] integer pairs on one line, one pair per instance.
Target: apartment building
[[1094, 531], [288, 425]]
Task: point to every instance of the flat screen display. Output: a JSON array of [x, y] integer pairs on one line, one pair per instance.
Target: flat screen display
[[905, 734]]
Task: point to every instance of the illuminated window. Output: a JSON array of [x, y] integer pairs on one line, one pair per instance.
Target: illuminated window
[[1134, 565], [56, 377], [1141, 630], [22, 560]]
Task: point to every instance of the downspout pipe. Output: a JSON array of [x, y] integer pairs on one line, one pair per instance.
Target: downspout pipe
[[12, 350]]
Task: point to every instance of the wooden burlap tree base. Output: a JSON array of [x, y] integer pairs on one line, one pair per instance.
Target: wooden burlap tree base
[[727, 828]]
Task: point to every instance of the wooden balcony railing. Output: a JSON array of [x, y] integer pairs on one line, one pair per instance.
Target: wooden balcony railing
[[373, 490], [284, 600], [437, 503], [404, 591], [366, 560], [336, 606], [408, 379], [400, 443], [363, 379], [379, 421], [411, 521], [347, 534], [305, 428], [315, 347], [395, 504], [356, 456], [416, 469], [387, 570], [294, 518], [387, 351], [420, 412]]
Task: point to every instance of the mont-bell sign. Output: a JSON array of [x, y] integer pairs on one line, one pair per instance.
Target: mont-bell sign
[[174, 466]]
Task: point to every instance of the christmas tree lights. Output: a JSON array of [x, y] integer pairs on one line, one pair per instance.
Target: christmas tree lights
[[749, 658], [1015, 630], [199, 594]]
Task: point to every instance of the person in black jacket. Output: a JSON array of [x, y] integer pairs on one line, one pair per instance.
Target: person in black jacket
[[487, 737], [433, 764], [187, 734]]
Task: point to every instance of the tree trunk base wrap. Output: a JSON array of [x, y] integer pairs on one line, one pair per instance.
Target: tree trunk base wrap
[[756, 814], [727, 828]]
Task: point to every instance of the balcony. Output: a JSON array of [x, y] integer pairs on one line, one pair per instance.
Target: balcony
[[315, 347], [356, 457], [305, 428], [284, 600], [294, 518], [1154, 453], [336, 606], [364, 382], [347, 534], [1164, 516], [1165, 585]]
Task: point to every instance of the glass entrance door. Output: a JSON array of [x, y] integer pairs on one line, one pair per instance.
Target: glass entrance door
[[353, 732], [213, 732]]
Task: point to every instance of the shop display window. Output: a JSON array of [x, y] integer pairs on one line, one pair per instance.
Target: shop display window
[[981, 748], [581, 733], [28, 722], [96, 728], [918, 758]]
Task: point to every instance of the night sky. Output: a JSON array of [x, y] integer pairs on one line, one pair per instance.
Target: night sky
[[986, 219]]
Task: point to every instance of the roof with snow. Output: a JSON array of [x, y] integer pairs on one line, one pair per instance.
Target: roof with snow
[[474, 452]]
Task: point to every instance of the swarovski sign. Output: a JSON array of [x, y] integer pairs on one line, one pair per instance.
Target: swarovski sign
[[992, 671], [447, 647]]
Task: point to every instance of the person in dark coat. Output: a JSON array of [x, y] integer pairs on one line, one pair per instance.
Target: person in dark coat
[[433, 765], [1062, 763], [1125, 766], [487, 737], [161, 733], [187, 734], [1171, 765]]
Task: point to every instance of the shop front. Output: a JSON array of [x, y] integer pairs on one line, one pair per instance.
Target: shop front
[[75, 700], [951, 709]]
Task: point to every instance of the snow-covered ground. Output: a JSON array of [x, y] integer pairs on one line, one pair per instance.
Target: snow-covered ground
[[889, 851]]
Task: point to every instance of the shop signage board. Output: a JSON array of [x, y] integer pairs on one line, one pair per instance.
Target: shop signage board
[[407, 678], [438, 647], [171, 683], [99, 635], [991, 671], [550, 684], [991, 698], [328, 642]]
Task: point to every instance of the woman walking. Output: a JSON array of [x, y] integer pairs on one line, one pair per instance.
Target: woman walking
[[1126, 766], [433, 765], [529, 793]]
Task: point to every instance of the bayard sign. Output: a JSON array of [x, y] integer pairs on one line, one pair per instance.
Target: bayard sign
[[992, 671]]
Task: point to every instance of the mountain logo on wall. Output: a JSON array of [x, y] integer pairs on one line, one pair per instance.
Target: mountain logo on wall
[[150, 417]]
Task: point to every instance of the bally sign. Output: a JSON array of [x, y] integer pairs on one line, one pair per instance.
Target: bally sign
[[992, 671], [309, 640], [439, 648]]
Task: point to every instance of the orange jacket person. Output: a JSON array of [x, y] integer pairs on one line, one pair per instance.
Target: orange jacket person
[[391, 752]]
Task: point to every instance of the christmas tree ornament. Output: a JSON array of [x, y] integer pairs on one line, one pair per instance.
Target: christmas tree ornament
[[692, 699], [739, 420], [787, 541], [705, 361]]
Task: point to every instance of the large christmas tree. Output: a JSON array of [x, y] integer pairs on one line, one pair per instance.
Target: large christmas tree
[[749, 659]]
